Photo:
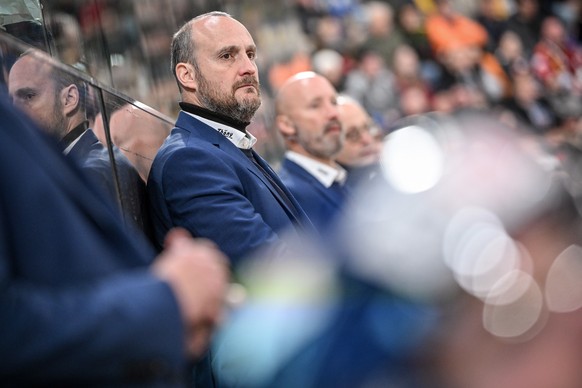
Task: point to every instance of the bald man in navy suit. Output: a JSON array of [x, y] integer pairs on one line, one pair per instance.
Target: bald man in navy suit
[[308, 119], [206, 177]]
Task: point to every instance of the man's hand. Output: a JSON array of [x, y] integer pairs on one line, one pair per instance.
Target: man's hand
[[198, 274]]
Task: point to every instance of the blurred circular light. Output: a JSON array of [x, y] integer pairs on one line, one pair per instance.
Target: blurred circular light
[[479, 252], [460, 224], [498, 260], [563, 285], [520, 316], [412, 160]]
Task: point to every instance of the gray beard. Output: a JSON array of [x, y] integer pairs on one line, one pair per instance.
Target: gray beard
[[243, 112], [226, 105]]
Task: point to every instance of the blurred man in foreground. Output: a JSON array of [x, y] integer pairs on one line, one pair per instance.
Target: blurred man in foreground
[[81, 303], [462, 268]]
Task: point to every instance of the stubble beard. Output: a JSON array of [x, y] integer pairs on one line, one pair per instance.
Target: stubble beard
[[57, 126], [324, 146], [228, 105]]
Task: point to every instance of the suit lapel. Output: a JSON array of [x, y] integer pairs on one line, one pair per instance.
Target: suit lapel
[[301, 216], [209, 134], [330, 193]]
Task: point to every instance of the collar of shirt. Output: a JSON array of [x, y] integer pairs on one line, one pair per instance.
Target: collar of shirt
[[70, 146], [72, 137], [240, 139], [325, 174]]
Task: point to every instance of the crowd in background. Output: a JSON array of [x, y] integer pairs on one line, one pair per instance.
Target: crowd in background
[[520, 59]]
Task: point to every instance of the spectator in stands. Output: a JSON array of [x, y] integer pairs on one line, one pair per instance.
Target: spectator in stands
[[408, 72], [529, 106], [373, 85], [557, 59], [448, 29], [412, 23], [510, 54], [492, 15], [526, 22], [383, 33], [414, 101], [330, 64]]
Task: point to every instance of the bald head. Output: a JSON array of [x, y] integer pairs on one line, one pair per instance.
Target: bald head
[[299, 86], [307, 116], [182, 48], [213, 60]]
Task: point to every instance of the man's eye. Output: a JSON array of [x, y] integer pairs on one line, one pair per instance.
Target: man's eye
[[353, 135], [226, 56], [252, 55], [25, 97]]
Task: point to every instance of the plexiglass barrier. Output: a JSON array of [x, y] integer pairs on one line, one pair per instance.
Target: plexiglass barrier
[[111, 137]]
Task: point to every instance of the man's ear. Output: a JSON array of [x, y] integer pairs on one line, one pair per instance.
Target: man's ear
[[186, 76], [70, 98], [285, 126]]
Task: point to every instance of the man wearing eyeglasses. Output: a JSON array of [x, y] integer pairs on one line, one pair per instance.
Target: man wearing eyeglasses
[[360, 154], [307, 116]]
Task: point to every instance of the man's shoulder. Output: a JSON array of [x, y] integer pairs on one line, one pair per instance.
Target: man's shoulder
[[90, 153], [291, 173], [181, 141], [198, 154]]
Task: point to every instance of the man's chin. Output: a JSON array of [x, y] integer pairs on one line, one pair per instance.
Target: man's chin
[[250, 102]]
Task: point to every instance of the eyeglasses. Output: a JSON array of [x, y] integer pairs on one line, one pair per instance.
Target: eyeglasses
[[355, 134]]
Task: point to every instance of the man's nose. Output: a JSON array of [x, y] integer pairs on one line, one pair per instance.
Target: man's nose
[[332, 111], [248, 65], [366, 136]]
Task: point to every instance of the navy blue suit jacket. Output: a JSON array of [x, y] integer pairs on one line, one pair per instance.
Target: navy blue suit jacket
[[77, 303], [199, 180], [323, 205]]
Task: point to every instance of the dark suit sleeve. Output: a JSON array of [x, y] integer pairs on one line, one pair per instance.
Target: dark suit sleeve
[[123, 328], [77, 305], [205, 195]]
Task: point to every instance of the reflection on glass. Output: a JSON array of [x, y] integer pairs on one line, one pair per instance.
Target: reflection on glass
[[136, 135], [59, 102], [64, 106], [135, 131], [69, 106], [67, 40]]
